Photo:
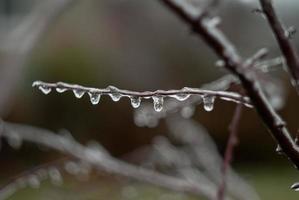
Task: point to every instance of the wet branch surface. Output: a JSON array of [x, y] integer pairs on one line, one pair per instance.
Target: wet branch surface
[[202, 26]]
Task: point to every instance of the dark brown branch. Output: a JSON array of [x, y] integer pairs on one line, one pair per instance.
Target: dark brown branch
[[229, 151], [287, 48], [226, 51]]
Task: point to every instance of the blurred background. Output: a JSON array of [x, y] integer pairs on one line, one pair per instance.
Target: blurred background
[[135, 45]]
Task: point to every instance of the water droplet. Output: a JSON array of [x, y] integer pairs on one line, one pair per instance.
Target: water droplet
[[135, 101], [114, 93], [55, 176], [208, 102], [295, 187], [181, 96], [72, 168], [220, 63], [158, 103], [279, 150], [60, 88], [33, 181], [45, 89], [94, 97], [14, 140], [78, 93]]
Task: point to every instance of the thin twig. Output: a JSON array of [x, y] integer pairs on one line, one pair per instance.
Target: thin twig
[[287, 48], [182, 94], [229, 151], [227, 52], [195, 141]]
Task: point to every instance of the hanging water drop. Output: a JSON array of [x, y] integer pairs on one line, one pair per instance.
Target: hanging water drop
[[208, 102], [135, 101], [158, 103], [114, 93], [94, 97], [33, 181], [78, 93], [45, 89], [279, 150], [55, 176]]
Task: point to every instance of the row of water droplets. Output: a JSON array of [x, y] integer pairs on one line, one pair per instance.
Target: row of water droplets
[[116, 95]]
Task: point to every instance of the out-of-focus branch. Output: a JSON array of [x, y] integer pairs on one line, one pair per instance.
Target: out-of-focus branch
[[287, 48], [17, 45], [233, 62], [195, 142], [100, 160], [229, 151], [32, 178]]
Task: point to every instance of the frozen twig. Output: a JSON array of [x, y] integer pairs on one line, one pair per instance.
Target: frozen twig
[[287, 48], [229, 151], [208, 96]]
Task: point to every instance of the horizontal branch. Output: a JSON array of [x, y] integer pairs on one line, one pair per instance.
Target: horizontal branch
[[208, 96], [287, 48], [100, 160]]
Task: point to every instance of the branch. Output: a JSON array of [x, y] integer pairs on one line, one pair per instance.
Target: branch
[[287, 48], [195, 141], [208, 96], [229, 151], [100, 160], [227, 52], [32, 178], [146, 116]]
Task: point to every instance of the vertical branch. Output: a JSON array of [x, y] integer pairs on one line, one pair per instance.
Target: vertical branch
[[229, 151], [202, 26], [287, 48]]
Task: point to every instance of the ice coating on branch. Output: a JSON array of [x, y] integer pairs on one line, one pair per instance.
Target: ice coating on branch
[[60, 88], [135, 101], [94, 97], [180, 97], [158, 103], [135, 97], [115, 94], [208, 102]]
